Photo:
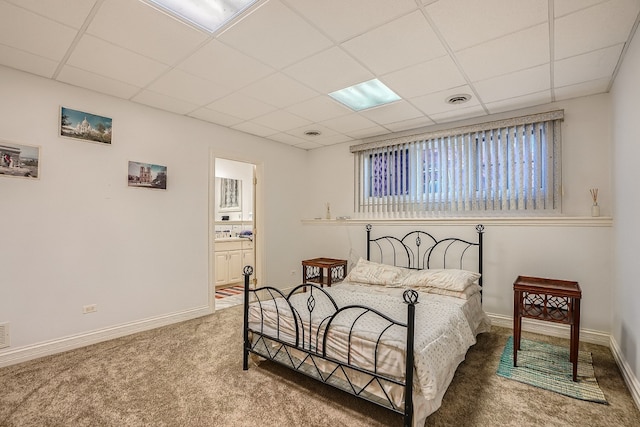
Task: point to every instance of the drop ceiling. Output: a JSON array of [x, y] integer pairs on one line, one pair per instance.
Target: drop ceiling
[[270, 71]]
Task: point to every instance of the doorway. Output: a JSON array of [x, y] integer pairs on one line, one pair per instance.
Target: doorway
[[233, 230]]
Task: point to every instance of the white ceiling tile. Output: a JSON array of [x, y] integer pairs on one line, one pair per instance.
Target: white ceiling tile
[[180, 85], [215, 117], [409, 124], [465, 23], [524, 49], [459, 114], [254, 129], [319, 109], [145, 30], [404, 42], [88, 80], [275, 35], [523, 82], [24, 30], [336, 17], [334, 139], [26, 61], [436, 102], [427, 77], [308, 145], [281, 120], [394, 112], [565, 7], [368, 132], [288, 139], [68, 12], [163, 102], [224, 65], [279, 90], [329, 71], [96, 55], [574, 33], [582, 89], [346, 124], [242, 106], [519, 102], [590, 66], [325, 132]]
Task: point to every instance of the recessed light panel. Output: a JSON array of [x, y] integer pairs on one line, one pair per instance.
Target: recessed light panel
[[365, 95], [207, 14]]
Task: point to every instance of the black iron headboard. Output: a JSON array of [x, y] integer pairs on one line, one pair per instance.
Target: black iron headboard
[[420, 250]]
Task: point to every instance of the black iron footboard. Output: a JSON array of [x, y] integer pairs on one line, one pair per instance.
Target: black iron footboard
[[303, 347]]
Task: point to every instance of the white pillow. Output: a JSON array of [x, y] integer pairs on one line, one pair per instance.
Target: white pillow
[[373, 273], [466, 294], [450, 279]]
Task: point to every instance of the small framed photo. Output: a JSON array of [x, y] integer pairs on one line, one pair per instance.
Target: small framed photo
[[147, 175], [19, 160], [85, 126]]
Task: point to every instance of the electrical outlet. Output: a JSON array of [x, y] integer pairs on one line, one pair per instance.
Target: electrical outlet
[[91, 308]]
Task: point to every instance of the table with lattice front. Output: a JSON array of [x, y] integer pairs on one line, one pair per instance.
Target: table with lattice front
[[549, 300], [324, 271]]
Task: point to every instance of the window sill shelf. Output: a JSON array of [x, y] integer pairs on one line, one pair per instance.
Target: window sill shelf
[[555, 221]]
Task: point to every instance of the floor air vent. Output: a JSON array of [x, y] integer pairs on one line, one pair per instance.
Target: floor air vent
[[4, 335]]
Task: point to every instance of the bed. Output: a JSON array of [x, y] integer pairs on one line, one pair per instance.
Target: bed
[[393, 332]]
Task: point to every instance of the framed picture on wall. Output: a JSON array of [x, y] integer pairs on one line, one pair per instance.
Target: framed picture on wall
[[147, 175], [19, 160], [230, 191], [85, 126]]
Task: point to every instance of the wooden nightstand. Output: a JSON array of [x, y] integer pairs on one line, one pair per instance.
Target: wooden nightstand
[[550, 300], [324, 271]]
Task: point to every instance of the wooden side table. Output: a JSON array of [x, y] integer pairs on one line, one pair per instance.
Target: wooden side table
[[550, 300], [323, 271]]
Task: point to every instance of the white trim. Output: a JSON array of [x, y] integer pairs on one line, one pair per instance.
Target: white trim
[[567, 221], [627, 373], [35, 351]]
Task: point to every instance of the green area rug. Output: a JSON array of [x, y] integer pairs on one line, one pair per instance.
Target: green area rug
[[547, 366]]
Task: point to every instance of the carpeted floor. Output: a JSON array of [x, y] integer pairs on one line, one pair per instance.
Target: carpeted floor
[[190, 374]]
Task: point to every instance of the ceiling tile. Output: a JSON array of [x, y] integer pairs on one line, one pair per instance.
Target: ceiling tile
[[308, 145], [163, 102], [26, 61], [390, 113], [428, 77], [224, 65], [319, 109], [368, 132], [582, 89], [346, 124], [523, 82], [325, 132], [409, 124], [281, 120], [465, 23], [180, 85], [254, 129], [77, 77], [96, 55], [574, 33], [241, 106], [69, 12], [526, 49], [459, 114], [145, 30], [336, 17], [404, 42], [436, 102], [565, 7], [279, 90], [519, 102], [275, 35], [590, 66], [329, 71], [32, 33], [215, 117], [288, 139]]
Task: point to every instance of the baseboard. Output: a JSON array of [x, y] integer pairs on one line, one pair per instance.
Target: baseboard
[[35, 351], [551, 329], [627, 373]]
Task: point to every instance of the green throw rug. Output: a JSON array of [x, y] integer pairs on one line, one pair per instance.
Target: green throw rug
[[547, 366]]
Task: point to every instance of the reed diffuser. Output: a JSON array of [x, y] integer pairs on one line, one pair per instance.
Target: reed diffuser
[[595, 208]]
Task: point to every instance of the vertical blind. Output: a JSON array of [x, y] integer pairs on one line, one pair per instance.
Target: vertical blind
[[507, 166]]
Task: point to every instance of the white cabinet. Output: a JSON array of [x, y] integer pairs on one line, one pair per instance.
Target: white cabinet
[[230, 258]]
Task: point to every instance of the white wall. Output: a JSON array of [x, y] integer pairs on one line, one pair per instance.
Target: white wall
[[79, 235], [575, 250], [626, 176]]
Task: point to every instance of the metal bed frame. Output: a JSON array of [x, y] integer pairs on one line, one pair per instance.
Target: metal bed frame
[[416, 250]]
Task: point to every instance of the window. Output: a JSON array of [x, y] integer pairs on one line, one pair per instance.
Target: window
[[511, 166]]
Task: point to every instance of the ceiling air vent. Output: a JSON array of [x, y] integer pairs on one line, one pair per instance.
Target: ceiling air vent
[[458, 99], [312, 133]]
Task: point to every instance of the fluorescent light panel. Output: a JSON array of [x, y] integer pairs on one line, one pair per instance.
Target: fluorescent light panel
[[365, 95], [207, 14]]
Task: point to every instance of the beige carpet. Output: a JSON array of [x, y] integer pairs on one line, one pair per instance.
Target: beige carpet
[[190, 374]]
